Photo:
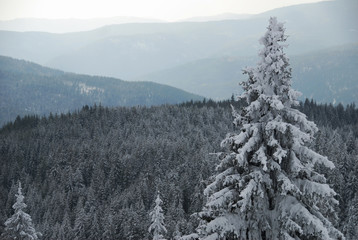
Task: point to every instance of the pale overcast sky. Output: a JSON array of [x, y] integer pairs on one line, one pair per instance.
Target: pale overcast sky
[[169, 10]]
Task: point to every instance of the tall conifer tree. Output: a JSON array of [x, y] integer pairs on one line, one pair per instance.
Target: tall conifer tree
[[19, 225], [157, 226], [267, 186]]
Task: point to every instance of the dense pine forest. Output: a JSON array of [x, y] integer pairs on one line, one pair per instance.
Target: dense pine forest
[[95, 173], [94, 157]]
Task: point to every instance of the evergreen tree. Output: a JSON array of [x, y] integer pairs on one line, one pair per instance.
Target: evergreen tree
[[157, 216], [109, 227], [352, 225], [65, 231], [267, 186], [80, 221], [19, 225]]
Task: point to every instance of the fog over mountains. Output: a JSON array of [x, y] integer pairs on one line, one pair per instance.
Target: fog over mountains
[[95, 122], [155, 51], [81, 25], [67, 25], [328, 75]]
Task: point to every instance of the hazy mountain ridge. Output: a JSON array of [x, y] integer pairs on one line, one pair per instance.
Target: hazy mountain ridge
[[66, 25], [69, 25], [138, 54], [320, 25], [28, 88], [137, 50], [218, 17], [328, 75]]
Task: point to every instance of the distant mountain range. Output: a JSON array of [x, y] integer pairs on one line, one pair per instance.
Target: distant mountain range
[[66, 25], [329, 75], [79, 25], [130, 50], [219, 17], [27, 88], [143, 50]]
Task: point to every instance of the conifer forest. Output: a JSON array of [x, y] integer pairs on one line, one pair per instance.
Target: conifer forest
[[261, 165], [100, 168]]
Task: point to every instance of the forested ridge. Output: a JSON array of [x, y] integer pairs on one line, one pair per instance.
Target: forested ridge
[[94, 173], [28, 88]]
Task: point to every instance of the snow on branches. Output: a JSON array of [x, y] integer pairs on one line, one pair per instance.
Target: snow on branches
[[157, 216], [19, 225], [267, 186]]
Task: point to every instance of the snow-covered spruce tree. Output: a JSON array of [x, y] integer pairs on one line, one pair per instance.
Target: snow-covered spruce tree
[[157, 226], [267, 186], [19, 225]]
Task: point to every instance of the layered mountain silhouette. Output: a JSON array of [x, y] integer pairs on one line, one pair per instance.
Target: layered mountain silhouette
[[209, 53], [28, 89], [328, 76]]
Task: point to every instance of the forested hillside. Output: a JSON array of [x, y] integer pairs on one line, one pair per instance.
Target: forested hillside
[[27, 88], [94, 173]]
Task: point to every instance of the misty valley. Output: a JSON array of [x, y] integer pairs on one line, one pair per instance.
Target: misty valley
[[226, 127]]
